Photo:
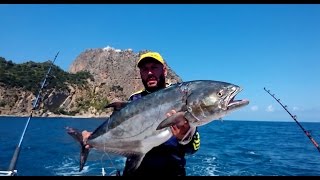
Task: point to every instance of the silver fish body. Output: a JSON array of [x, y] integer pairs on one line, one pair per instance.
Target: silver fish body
[[142, 124]]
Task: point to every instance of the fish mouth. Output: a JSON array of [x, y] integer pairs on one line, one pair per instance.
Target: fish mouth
[[233, 104]]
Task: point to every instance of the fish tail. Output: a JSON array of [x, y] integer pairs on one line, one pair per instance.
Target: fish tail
[[83, 157], [77, 135]]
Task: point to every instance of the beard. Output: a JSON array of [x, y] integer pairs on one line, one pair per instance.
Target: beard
[[161, 83]]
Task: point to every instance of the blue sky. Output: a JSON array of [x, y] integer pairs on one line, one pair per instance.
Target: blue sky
[[253, 46]]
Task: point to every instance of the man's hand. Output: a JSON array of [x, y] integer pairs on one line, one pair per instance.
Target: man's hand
[[85, 136], [179, 130]]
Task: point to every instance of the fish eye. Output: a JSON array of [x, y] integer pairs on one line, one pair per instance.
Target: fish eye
[[220, 93]]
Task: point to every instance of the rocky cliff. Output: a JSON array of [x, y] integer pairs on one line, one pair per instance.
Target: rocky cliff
[[115, 77]]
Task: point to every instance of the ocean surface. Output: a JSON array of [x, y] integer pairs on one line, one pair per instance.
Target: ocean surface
[[228, 148]]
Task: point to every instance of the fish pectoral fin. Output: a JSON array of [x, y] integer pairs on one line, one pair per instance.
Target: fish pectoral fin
[[77, 135], [133, 162], [171, 120]]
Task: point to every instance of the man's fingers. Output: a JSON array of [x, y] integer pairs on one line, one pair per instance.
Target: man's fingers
[[175, 130], [171, 113], [85, 134]]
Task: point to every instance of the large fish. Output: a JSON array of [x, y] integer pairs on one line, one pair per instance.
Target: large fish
[[140, 125]]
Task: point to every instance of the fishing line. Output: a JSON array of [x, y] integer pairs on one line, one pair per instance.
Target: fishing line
[[14, 159], [294, 117], [103, 172], [111, 161]]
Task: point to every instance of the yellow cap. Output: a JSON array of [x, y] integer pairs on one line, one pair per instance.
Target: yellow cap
[[153, 55]]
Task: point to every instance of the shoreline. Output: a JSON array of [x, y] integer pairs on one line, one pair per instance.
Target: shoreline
[[56, 116]]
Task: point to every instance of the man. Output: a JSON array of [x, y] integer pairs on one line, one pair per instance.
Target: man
[[167, 159]]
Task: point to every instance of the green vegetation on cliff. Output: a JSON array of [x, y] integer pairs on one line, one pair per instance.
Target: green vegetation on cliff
[[30, 75]]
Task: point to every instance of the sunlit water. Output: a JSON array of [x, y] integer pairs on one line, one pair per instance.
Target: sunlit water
[[228, 148]]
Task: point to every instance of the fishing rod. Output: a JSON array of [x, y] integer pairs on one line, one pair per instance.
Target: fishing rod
[[294, 117], [17, 150]]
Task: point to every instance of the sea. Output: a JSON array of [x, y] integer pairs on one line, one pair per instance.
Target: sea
[[228, 148]]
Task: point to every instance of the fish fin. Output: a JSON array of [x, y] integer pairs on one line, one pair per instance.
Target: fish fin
[[83, 157], [117, 105], [133, 162], [77, 135], [171, 120]]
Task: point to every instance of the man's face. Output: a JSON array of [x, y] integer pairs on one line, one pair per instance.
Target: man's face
[[153, 75]]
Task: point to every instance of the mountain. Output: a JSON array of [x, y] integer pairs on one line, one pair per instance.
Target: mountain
[[115, 77]]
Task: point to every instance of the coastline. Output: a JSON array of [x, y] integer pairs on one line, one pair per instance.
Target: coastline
[[55, 116]]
